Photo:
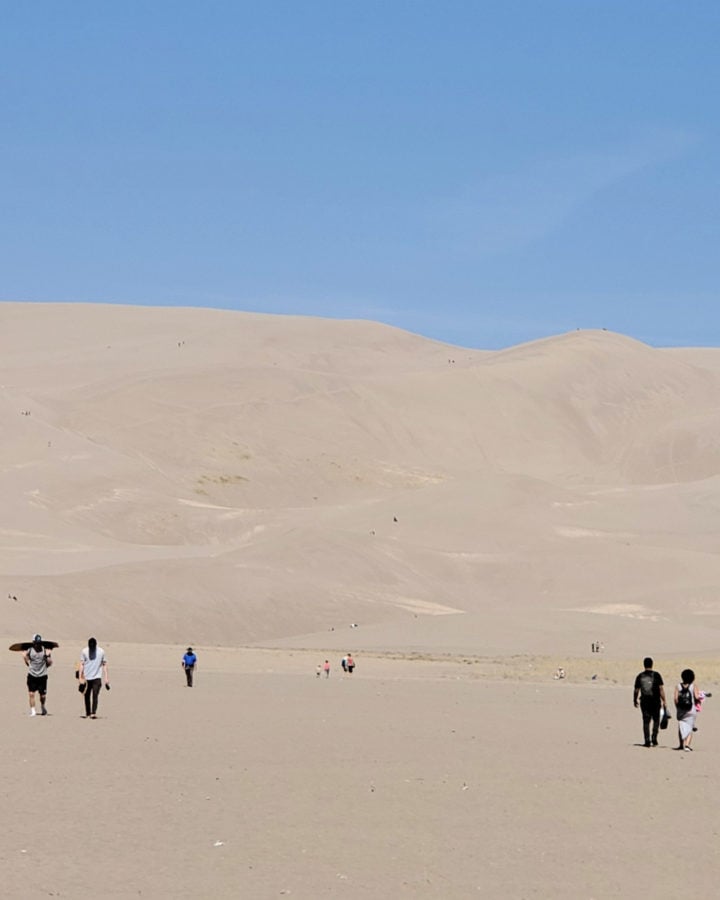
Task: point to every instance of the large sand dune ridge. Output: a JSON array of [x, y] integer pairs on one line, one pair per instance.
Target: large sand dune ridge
[[233, 478]]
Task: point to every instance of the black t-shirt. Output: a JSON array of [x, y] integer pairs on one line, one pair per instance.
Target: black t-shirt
[[648, 683]]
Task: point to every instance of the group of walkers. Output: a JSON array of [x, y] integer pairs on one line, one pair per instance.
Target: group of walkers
[[648, 692], [649, 696], [347, 664], [91, 672]]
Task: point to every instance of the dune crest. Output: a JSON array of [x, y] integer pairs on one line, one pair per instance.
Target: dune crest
[[245, 478]]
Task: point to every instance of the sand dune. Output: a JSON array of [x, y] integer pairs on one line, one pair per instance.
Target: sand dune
[[240, 477]]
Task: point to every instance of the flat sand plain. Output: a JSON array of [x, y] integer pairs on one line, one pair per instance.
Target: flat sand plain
[[411, 778], [279, 490]]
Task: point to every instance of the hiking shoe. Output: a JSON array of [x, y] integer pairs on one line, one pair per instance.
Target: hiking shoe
[[43, 711], [687, 749], [654, 743], [646, 744], [32, 712]]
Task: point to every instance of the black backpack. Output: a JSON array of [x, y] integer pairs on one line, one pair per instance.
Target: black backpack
[[647, 684], [685, 701]]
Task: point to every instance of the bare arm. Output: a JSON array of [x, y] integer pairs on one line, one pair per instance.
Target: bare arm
[[26, 658], [107, 676], [662, 695]]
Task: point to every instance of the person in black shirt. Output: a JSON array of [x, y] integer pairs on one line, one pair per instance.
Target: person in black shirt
[[651, 693]]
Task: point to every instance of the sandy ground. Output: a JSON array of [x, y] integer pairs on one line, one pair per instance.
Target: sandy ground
[[411, 778], [280, 490]]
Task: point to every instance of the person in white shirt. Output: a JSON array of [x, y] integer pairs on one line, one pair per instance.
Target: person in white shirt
[[93, 671]]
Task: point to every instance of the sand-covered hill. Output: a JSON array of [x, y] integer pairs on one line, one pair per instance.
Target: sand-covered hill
[[223, 477]]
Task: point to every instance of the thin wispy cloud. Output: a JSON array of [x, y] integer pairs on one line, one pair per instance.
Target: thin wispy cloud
[[510, 209]]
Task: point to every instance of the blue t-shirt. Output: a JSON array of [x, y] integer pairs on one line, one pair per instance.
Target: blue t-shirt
[[189, 659]]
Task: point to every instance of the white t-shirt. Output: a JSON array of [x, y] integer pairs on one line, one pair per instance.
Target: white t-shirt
[[92, 668]]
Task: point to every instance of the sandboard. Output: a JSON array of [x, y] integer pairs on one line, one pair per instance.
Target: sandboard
[[26, 645]]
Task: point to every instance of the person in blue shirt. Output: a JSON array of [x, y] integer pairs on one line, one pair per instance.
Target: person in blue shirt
[[189, 661]]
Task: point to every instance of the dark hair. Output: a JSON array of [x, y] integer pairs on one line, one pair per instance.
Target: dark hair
[[92, 647], [688, 676], [647, 662]]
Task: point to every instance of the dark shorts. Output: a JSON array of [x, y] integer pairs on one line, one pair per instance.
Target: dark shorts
[[37, 683]]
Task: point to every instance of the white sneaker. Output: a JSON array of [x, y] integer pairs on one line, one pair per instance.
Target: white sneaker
[[32, 712]]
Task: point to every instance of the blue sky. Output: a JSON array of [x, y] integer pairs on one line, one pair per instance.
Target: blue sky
[[478, 172]]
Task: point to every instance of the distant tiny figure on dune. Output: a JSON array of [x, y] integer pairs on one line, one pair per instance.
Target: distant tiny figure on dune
[[343, 663], [350, 664], [189, 661], [318, 670], [326, 668], [559, 674]]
